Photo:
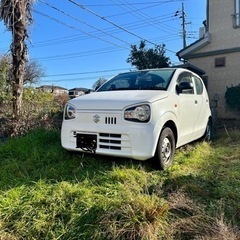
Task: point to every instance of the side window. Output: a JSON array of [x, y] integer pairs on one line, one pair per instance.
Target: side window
[[199, 85], [186, 77]]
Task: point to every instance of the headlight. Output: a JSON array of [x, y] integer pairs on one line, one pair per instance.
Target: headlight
[[139, 113], [70, 112]]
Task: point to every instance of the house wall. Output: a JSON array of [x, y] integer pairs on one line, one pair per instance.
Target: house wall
[[54, 90], [218, 79], [225, 42], [220, 25], [60, 91]]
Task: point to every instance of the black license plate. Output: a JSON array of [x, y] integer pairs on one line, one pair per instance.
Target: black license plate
[[87, 142]]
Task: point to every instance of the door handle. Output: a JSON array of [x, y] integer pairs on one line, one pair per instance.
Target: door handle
[[196, 102]]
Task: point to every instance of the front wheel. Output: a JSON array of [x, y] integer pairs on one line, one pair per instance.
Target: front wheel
[[165, 149]]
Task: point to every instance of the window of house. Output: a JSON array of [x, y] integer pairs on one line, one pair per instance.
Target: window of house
[[220, 62], [236, 16]]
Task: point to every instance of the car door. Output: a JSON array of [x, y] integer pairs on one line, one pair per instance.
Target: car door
[[202, 104], [188, 109]]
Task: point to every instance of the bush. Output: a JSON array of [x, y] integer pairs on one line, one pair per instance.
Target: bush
[[39, 109], [232, 97]]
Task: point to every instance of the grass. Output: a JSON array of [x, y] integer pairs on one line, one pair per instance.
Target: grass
[[49, 193]]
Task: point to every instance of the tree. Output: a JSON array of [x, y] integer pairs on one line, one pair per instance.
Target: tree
[[143, 58], [16, 15], [99, 83], [33, 72]]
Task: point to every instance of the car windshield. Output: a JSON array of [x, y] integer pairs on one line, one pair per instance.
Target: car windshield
[[139, 80]]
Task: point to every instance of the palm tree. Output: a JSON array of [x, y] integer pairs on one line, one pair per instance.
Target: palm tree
[[16, 15]]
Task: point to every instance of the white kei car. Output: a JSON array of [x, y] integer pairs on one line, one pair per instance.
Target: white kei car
[[139, 115]]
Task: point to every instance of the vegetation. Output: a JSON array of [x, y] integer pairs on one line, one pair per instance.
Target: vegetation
[[32, 73], [49, 193], [4, 73], [99, 83], [40, 109], [232, 97], [143, 58], [16, 16]]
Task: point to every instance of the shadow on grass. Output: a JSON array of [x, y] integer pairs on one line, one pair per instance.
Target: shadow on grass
[[39, 156], [84, 190]]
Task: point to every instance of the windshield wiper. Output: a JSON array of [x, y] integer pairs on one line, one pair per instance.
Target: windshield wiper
[[120, 89], [158, 88]]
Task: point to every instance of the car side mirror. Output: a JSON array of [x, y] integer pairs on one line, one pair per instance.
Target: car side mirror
[[184, 86]]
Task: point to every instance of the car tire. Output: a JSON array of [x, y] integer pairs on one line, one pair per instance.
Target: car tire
[[208, 132], [165, 149]]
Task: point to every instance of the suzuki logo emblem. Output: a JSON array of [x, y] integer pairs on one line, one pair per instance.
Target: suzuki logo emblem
[[96, 118]]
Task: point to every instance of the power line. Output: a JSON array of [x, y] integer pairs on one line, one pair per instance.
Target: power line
[[77, 19], [66, 56], [79, 54], [74, 28], [184, 23], [105, 32], [134, 3], [82, 73], [75, 38], [75, 79], [110, 5], [105, 19], [91, 52], [144, 17]]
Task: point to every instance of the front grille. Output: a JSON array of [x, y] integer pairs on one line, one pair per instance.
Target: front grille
[[110, 141], [110, 120]]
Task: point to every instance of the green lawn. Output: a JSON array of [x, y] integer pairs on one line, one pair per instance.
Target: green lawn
[[49, 193]]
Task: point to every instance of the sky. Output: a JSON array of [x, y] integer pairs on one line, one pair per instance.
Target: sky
[[76, 42]]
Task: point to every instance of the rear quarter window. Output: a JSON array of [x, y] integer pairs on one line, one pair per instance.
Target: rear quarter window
[[199, 85]]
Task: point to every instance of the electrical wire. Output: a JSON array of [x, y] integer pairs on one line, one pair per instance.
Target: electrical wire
[[74, 28], [110, 5], [144, 17], [66, 56], [76, 79], [92, 72], [75, 38], [84, 37], [83, 22], [79, 54], [110, 22]]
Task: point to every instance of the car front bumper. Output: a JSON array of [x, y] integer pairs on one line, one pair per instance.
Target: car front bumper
[[111, 135]]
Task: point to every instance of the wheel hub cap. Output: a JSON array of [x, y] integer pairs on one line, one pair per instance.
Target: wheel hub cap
[[166, 149]]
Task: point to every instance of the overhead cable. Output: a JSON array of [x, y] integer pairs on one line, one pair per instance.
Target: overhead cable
[[105, 19], [144, 17], [83, 73], [74, 28], [79, 20]]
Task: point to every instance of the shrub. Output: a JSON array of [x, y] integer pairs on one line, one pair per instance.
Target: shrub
[[39, 109], [232, 97]]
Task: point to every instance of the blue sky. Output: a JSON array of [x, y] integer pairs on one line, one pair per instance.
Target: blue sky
[[79, 41]]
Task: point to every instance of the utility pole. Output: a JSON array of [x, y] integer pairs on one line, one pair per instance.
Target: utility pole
[[183, 26], [182, 15]]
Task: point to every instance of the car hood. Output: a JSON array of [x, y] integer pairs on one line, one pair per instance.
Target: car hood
[[116, 100]]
